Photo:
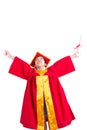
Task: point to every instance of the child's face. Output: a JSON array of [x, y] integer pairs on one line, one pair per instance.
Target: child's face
[[40, 62]]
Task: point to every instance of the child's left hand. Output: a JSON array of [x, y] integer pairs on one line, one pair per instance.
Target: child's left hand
[[76, 54]]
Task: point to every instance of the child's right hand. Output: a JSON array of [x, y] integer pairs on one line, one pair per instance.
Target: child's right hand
[[8, 54]]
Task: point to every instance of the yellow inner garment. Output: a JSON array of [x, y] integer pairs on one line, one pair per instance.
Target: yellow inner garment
[[43, 91]]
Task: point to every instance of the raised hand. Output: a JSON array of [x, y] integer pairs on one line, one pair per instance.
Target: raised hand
[[8, 54], [76, 54]]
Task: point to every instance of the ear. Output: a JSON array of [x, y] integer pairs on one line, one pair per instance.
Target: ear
[[34, 66], [45, 64]]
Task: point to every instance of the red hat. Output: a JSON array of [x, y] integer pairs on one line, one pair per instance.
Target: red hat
[[47, 60]]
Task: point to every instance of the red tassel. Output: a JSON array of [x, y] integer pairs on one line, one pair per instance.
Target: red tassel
[[77, 46]]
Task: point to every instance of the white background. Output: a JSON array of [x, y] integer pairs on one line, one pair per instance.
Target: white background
[[53, 28]]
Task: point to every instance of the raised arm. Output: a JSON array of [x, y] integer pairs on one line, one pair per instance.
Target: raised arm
[[65, 65], [18, 67]]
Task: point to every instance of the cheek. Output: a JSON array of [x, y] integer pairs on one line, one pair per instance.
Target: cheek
[[37, 63]]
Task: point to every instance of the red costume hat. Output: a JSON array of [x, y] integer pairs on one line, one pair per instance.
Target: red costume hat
[[47, 60]]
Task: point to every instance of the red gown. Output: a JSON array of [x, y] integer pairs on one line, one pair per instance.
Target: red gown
[[63, 112]]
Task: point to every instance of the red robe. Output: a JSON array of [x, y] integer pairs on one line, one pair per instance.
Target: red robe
[[63, 112]]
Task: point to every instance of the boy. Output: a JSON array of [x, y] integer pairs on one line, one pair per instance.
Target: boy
[[44, 98]]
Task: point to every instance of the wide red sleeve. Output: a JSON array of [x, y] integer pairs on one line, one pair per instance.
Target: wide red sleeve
[[63, 66], [20, 68]]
